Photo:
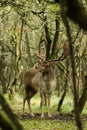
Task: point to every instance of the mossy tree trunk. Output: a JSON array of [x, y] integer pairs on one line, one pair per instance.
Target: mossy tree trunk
[[65, 21], [18, 53], [10, 122], [51, 44], [83, 98]]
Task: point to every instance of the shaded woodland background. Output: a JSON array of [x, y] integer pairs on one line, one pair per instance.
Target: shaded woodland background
[[36, 27]]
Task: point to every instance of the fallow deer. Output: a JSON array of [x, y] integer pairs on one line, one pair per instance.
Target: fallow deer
[[42, 80]]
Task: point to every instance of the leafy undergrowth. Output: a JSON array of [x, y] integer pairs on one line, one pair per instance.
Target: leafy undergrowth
[[59, 121]]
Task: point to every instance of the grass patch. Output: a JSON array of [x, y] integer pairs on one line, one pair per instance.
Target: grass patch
[[47, 125], [61, 121]]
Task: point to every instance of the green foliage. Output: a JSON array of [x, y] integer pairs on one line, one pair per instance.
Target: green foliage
[[47, 125], [53, 8], [62, 121]]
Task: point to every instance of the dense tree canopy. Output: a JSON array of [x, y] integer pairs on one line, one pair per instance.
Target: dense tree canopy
[[53, 29]]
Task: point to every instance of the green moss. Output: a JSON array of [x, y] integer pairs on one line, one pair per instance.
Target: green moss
[[46, 124]]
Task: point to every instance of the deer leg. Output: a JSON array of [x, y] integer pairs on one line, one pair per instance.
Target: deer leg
[[31, 93], [24, 100], [42, 99], [29, 106], [49, 113], [45, 101]]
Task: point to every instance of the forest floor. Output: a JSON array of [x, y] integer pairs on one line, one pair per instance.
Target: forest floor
[[59, 121]]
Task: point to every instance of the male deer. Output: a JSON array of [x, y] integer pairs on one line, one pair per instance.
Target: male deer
[[43, 80]]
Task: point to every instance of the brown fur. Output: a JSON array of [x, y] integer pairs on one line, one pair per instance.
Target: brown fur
[[42, 80]]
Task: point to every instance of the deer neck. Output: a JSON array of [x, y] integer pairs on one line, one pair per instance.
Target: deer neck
[[49, 75]]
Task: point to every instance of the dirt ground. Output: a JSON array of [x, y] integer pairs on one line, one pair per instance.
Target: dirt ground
[[61, 116]]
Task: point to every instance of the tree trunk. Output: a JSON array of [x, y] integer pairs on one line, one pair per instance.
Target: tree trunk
[[49, 41], [65, 86], [56, 36], [30, 62], [83, 98], [75, 11], [10, 115], [65, 21]]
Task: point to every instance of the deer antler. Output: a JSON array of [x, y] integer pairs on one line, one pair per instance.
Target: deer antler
[[40, 57], [61, 58]]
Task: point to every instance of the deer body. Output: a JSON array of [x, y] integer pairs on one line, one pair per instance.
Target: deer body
[[43, 81]]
